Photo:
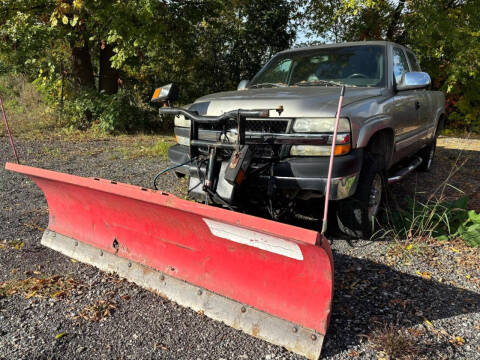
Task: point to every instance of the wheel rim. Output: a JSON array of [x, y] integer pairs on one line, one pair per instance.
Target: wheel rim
[[375, 196]]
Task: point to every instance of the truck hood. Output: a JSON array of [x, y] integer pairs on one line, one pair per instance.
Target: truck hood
[[296, 101]]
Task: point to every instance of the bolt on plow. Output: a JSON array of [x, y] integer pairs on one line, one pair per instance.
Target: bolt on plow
[[268, 279], [271, 280]]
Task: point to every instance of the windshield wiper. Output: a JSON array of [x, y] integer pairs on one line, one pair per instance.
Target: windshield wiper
[[322, 82], [265, 84]]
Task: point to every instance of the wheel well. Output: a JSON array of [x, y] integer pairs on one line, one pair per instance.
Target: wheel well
[[440, 124], [381, 144]]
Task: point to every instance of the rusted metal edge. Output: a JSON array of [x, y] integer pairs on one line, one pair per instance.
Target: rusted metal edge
[[239, 316]]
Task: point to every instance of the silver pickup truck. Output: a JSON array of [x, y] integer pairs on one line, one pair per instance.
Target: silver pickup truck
[[266, 146]]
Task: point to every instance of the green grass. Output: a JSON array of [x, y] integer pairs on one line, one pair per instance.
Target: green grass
[[155, 146]]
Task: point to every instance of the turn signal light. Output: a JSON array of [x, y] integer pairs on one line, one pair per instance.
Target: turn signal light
[[342, 149]]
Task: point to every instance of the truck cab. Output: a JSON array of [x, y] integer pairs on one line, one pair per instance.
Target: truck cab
[[389, 122]]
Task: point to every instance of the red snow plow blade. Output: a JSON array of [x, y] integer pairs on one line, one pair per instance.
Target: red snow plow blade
[[268, 279]]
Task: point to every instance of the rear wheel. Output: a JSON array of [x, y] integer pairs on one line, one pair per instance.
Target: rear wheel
[[427, 154], [357, 216]]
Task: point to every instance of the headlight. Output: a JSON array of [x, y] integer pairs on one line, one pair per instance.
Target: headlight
[[319, 150], [183, 140], [310, 150], [180, 121], [319, 125]]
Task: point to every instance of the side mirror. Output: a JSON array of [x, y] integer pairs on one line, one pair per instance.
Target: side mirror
[[242, 85], [414, 80]]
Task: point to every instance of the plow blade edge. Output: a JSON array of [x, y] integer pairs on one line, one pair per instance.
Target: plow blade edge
[[268, 279]]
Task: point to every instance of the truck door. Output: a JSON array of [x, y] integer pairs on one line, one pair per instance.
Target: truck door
[[406, 109], [426, 119]]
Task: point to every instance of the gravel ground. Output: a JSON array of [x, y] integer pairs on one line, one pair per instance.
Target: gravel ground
[[423, 305]]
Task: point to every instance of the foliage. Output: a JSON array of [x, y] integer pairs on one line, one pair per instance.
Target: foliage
[[160, 148], [135, 46], [120, 112], [443, 220], [443, 33], [210, 45], [26, 108], [469, 230], [454, 61]]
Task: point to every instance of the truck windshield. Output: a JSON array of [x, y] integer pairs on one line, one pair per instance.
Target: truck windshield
[[362, 65]]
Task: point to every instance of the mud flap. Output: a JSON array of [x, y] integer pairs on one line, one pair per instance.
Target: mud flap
[[271, 280]]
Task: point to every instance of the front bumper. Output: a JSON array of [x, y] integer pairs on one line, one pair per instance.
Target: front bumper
[[302, 173]]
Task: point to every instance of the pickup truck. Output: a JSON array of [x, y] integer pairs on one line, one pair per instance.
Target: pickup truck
[[265, 147]]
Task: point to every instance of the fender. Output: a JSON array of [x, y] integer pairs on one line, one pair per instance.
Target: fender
[[372, 126]]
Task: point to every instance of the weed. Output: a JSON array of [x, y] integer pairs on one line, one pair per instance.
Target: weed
[[436, 217], [17, 244], [51, 152], [393, 343], [443, 220]]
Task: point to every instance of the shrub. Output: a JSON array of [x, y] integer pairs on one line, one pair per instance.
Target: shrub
[[443, 220], [123, 113], [117, 113]]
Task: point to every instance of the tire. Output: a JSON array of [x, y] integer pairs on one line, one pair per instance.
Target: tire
[[357, 216], [427, 155]]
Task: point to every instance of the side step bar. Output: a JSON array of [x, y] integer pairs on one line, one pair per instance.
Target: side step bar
[[399, 175]]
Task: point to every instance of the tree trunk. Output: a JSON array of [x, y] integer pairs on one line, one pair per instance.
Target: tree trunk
[[82, 66], [108, 80]]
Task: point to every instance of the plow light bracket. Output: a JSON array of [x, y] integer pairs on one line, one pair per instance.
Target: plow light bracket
[[166, 93]]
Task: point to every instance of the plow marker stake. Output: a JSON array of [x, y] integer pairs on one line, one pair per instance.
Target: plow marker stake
[[270, 280]]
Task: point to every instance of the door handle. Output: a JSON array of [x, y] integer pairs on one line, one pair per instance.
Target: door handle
[[417, 105]]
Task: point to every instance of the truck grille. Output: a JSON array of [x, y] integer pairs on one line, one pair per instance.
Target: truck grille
[[265, 152], [253, 125], [266, 126]]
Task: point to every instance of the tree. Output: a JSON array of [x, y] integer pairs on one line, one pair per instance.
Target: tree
[[443, 33], [235, 44]]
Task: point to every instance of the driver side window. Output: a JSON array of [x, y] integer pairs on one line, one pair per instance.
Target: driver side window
[[280, 73], [400, 64]]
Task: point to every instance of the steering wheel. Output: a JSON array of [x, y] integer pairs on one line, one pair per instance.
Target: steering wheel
[[357, 75]]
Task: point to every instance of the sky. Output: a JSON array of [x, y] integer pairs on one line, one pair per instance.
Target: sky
[[301, 36]]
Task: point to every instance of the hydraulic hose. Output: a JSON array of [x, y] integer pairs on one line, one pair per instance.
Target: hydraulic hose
[[168, 169]]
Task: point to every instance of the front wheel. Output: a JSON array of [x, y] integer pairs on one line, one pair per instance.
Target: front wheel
[[357, 216]]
